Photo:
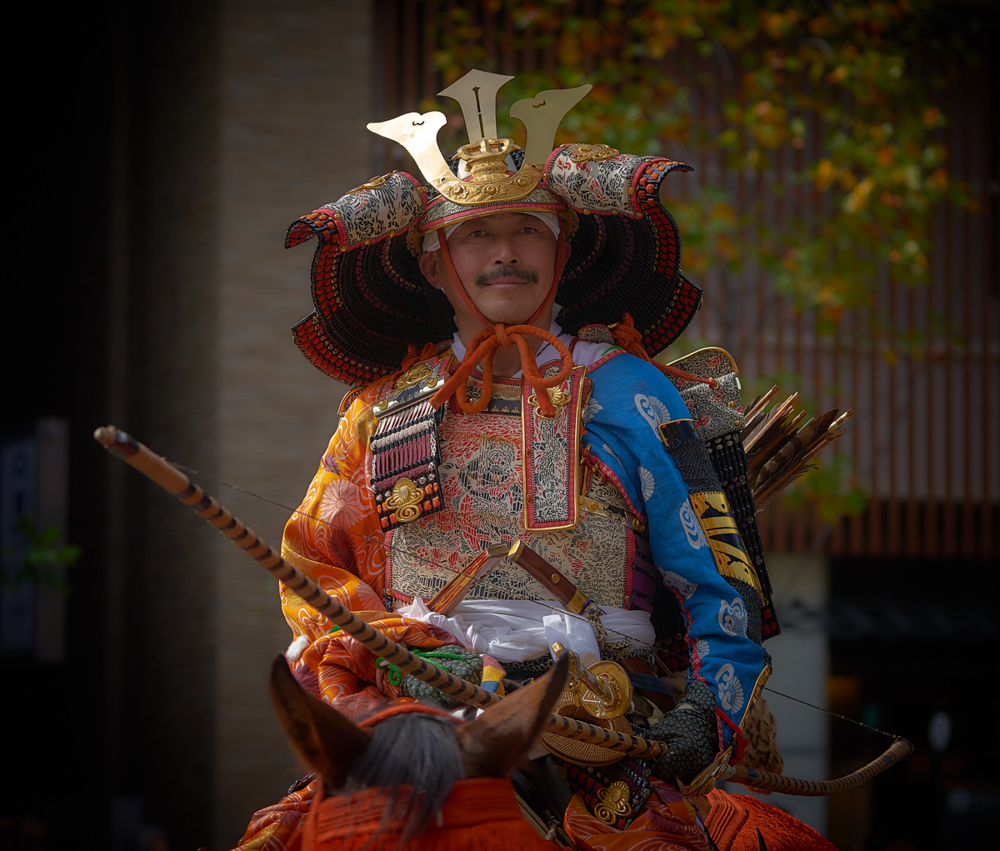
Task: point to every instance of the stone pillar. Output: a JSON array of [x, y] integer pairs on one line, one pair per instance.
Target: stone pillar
[[238, 116], [296, 93]]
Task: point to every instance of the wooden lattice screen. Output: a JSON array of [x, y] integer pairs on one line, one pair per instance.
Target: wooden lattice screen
[[924, 439]]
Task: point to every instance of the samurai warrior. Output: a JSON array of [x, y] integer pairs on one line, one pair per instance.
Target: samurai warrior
[[498, 323]]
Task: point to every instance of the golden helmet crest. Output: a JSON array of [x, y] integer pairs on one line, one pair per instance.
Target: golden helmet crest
[[483, 176]]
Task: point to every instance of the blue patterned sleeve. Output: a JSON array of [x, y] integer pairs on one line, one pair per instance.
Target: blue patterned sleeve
[[632, 399]]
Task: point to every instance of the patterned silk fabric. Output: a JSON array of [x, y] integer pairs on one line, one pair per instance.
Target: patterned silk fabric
[[667, 822], [336, 538], [481, 478], [631, 400]]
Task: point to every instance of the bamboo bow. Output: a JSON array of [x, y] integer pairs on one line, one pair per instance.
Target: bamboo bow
[[172, 480]]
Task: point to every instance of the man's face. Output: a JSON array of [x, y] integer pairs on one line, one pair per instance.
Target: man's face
[[506, 263]]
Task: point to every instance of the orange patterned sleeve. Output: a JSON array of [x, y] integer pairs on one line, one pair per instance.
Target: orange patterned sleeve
[[335, 538]]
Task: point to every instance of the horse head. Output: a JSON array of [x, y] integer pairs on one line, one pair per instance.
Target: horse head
[[400, 766]]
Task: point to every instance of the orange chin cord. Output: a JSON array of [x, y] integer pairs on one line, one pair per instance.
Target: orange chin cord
[[482, 347], [629, 338]]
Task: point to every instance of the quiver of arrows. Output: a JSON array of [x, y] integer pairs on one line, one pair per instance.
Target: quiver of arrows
[[779, 446]]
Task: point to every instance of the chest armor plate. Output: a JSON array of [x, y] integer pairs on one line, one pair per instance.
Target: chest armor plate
[[482, 486]]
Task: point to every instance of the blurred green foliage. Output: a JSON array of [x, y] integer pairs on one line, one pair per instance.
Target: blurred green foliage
[[843, 91], [43, 556]]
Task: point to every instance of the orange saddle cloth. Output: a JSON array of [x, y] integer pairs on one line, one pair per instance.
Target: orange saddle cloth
[[480, 813], [734, 820]]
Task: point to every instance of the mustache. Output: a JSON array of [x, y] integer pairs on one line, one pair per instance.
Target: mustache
[[484, 279]]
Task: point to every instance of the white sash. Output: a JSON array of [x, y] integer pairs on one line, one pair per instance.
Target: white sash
[[518, 630]]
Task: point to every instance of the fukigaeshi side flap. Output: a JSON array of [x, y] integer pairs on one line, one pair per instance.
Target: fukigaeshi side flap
[[385, 206], [717, 417]]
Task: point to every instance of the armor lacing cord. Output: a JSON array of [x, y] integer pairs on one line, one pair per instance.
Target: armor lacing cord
[[482, 347], [413, 354], [395, 676], [629, 338]]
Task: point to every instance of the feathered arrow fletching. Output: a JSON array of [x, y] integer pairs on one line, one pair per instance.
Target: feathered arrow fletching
[[779, 445]]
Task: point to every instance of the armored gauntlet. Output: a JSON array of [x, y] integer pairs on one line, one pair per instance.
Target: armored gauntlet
[[691, 732]]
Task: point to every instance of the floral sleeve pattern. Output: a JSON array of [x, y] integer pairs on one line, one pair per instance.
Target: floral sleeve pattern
[[335, 538]]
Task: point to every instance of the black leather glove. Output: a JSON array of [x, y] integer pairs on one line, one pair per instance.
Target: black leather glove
[[691, 731], [453, 658]]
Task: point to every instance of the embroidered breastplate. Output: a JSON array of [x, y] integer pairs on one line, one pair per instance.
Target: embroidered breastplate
[[482, 484]]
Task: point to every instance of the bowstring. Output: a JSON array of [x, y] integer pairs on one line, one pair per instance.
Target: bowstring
[[832, 713], [439, 566]]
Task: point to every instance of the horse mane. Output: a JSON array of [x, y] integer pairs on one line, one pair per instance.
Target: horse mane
[[411, 750], [407, 758]]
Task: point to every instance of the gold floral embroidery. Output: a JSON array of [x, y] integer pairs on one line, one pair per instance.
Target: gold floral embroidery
[[559, 398], [374, 183], [414, 375], [581, 153]]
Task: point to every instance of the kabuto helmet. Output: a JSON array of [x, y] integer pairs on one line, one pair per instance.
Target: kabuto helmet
[[373, 308]]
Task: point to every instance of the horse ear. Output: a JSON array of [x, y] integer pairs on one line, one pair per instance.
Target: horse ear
[[498, 739], [326, 741]]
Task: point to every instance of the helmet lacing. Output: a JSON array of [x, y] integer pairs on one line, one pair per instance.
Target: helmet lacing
[[481, 349]]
